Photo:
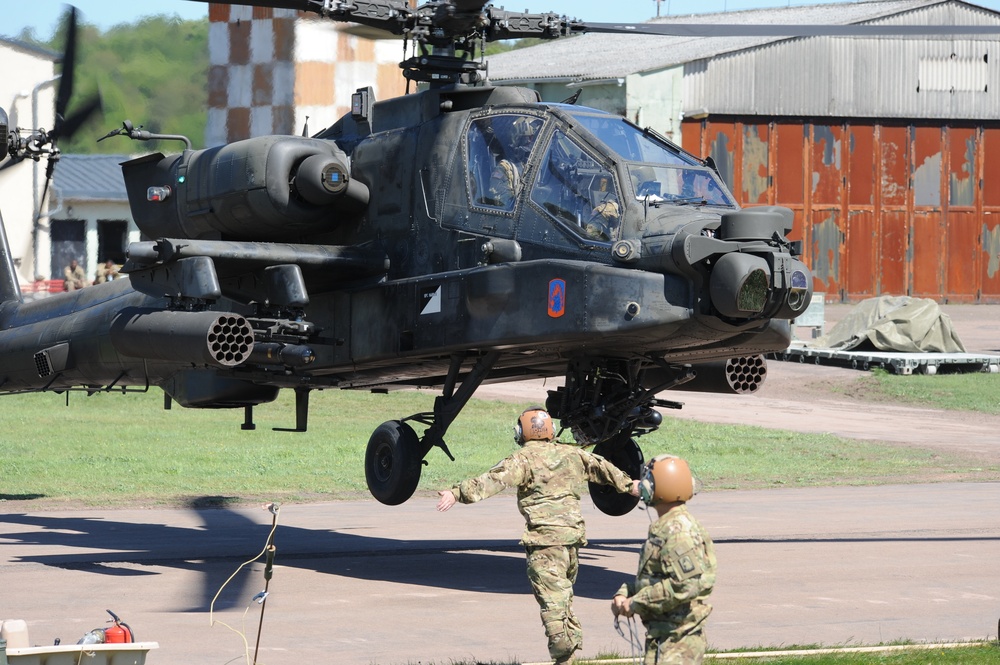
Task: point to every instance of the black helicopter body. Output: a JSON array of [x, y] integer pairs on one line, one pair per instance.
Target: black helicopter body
[[396, 249]]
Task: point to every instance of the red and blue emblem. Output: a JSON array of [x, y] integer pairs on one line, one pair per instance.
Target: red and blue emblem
[[557, 298]]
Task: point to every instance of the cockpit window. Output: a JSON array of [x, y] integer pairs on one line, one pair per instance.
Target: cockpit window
[[675, 184], [631, 143], [659, 171], [576, 190], [498, 148]]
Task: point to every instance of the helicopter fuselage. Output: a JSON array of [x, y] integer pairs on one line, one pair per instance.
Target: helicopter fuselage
[[450, 237]]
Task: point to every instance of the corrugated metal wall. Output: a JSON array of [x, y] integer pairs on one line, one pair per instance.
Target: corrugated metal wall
[[857, 77], [882, 209]]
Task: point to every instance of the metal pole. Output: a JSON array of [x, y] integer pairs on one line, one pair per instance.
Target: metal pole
[[268, 572], [36, 208]]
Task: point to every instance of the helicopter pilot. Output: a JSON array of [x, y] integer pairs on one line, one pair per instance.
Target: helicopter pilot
[[505, 179]]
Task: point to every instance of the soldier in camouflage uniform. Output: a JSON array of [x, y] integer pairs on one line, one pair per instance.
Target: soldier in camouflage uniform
[[676, 570], [548, 476]]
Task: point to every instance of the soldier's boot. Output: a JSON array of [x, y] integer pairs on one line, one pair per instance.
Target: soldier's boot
[[565, 638]]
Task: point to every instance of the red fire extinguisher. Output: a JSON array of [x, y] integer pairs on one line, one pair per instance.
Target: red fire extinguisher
[[119, 632]]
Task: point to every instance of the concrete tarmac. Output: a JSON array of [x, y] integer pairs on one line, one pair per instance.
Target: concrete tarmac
[[359, 582]]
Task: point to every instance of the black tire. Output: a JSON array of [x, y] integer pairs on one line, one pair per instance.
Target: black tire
[[623, 452], [392, 462]]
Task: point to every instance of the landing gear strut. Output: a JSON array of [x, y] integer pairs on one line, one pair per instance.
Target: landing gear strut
[[395, 454]]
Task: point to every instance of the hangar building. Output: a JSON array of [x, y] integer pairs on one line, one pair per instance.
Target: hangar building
[[880, 145]]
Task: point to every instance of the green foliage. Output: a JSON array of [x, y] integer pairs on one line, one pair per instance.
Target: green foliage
[[154, 72]]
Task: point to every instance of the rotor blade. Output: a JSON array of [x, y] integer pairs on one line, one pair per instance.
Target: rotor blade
[[787, 30], [68, 64], [390, 16], [71, 124], [45, 190]]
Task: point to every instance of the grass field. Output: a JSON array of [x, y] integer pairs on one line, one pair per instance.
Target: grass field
[[983, 653], [965, 392], [112, 449]]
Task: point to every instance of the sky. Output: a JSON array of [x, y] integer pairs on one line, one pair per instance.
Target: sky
[[43, 15]]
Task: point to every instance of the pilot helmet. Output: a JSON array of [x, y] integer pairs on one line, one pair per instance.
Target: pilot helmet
[[522, 134], [535, 424], [665, 479]]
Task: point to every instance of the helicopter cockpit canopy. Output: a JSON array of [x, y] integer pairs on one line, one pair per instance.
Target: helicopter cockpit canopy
[[657, 170], [580, 173]]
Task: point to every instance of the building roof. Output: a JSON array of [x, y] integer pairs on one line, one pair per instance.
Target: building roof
[[90, 178], [599, 56], [31, 48]]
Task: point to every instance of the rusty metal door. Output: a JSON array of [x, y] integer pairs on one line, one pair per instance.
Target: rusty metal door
[[755, 176], [825, 205], [893, 151], [788, 150], [881, 208], [927, 233], [861, 242], [961, 228], [989, 224]]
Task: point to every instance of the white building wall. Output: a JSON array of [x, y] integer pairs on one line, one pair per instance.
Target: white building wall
[[23, 71], [654, 100]]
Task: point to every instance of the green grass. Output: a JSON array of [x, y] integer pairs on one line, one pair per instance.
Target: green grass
[[983, 653], [986, 653], [976, 391], [114, 449]]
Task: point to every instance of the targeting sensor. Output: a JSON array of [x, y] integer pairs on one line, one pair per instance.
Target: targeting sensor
[[321, 179]]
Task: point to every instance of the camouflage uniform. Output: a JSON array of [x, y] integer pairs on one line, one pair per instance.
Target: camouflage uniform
[[504, 183], [676, 574], [548, 477]]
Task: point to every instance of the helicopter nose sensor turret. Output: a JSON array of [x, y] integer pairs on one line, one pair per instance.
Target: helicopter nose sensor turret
[[744, 258]]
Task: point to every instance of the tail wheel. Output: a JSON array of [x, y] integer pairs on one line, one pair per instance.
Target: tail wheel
[[392, 462], [623, 452]]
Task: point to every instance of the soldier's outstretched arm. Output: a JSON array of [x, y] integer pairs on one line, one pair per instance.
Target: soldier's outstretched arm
[[509, 472], [603, 472]]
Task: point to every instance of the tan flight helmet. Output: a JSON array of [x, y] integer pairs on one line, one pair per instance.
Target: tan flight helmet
[[522, 136], [535, 424], [665, 479]]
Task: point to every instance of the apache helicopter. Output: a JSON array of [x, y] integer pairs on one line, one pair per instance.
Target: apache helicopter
[[457, 235]]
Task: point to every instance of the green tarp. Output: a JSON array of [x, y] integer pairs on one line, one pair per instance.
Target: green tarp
[[893, 323]]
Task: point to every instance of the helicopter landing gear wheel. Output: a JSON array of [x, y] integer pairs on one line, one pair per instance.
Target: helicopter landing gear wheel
[[392, 462], [623, 452]]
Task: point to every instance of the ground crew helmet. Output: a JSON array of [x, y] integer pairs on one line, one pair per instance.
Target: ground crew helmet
[[666, 478], [535, 424]]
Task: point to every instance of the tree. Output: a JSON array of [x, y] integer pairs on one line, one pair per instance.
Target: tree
[[154, 73]]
